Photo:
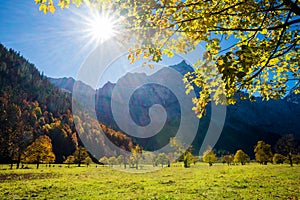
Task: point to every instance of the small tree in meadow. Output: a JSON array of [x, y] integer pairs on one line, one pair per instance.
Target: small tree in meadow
[[40, 151], [263, 152], [112, 161], [188, 157], [103, 160], [278, 158], [80, 155], [87, 161], [70, 160], [162, 159], [125, 160], [209, 156], [287, 147], [296, 159], [228, 159], [136, 155], [120, 160], [241, 157], [184, 154]]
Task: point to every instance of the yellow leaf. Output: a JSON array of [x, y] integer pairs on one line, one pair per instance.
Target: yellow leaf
[[43, 8], [264, 31], [220, 62], [77, 2], [52, 9]]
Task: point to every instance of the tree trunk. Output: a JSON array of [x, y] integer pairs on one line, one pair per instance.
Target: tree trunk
[[290, 159], [37, 165], [18, 161], [185, 163], [265, 163]]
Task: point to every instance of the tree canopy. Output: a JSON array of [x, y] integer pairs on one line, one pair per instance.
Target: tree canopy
[[241, 157], [252, 47], [263, 152], [209, 156], [136, 155], [80, 155], [288, 147], [40, 151]]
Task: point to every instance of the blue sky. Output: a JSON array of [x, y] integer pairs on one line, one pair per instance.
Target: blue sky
[[53, 42], [48, 41]]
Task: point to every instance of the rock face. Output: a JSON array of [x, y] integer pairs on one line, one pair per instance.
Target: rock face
[[246, 122], [64, 83]]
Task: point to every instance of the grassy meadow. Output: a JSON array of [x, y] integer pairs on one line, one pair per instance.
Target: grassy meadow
[[220, 181]]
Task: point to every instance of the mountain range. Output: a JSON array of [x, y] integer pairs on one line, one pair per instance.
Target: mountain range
[[246, 122]]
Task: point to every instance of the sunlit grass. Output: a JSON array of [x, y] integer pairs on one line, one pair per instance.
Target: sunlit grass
[[198, 182]]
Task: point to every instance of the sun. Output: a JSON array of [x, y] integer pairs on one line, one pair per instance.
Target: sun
[[92, 26], [102, 27]]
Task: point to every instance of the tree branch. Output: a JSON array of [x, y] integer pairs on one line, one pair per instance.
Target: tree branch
[[287, 49], [294, 7], [257, 29], [225, 9], [275, 50]]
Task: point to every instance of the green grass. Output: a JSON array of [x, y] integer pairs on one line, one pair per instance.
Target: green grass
[[198, 182]]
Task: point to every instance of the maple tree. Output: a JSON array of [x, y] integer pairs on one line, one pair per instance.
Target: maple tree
[[278, 158], [228, 159], [136, 155], [40, 151], [80, 155], [70, 160], [241, 157], [209, 156], [288, 147], [162, 159], [263, 152], [262, 57], [183, 152]]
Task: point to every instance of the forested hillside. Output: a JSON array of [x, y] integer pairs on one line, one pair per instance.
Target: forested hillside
[[30, 107]]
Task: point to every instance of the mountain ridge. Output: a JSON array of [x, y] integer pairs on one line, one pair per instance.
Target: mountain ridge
[[246, 122]]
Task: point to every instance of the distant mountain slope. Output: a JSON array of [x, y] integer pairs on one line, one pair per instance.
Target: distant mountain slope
[[40, 108], [246, 122], [63, 83]]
